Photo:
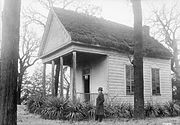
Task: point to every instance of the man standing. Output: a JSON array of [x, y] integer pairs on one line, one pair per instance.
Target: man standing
[[99, 105]]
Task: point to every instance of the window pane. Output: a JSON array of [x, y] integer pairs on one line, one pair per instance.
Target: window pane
[[132, 73], [154, 92], [127, 72], [128, 92], [129, 79], [155, 81], [157, 90], [132, 90], [128, 87]]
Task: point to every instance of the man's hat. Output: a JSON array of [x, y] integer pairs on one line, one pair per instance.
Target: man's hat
[[100, 89]]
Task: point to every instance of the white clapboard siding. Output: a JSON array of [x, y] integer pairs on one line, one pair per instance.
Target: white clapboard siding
[[117, 79]]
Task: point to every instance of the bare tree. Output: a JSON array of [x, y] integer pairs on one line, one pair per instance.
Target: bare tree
[[166, 23], [9, 66], [82, 6], [138, 61], [29, 44], [35, 84]]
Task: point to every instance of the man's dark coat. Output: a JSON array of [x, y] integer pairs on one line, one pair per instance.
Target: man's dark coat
[[99, 104]]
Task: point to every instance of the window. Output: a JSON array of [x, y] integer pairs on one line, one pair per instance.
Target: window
[[129, 80], [155, 81]]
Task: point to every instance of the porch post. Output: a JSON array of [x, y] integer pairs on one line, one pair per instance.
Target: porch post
[[44, 79], [56, 79], [61, 77], [52, 76], [74, 77]]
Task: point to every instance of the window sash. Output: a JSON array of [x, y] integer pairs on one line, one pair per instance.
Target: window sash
[[155, 81], [129, 80]]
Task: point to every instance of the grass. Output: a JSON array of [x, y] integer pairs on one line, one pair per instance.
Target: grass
[[26, 118]]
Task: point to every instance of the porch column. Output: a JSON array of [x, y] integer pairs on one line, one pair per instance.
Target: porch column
[[74, 77], [56, 79], [52, 76], [61, 77], [44, 79]]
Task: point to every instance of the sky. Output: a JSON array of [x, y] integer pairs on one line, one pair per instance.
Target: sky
[[115, 10], [119, 11]]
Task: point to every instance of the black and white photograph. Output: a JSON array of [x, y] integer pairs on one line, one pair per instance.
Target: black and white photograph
[[89, 62]]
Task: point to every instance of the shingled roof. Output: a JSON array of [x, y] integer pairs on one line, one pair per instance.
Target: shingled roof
[[97, 31]]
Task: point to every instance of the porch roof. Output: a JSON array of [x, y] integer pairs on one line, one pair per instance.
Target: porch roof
[[100, 32]]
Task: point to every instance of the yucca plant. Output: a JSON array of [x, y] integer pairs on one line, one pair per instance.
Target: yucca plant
[[76, 111], [150, 110], [91, 110], [159, 110], [59, 108], [109, 111], [121, 110], [172, 109], [35, 103], [115, 111], [54, 108], [129, 110]]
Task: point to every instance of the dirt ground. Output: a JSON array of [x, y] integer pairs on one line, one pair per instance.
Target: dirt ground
[[25, 118]]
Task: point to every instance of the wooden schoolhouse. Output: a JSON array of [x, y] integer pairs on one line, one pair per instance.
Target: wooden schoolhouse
[[97, 52]]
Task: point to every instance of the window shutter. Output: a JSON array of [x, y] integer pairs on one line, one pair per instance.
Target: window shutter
[[128, 87], [132, 79]]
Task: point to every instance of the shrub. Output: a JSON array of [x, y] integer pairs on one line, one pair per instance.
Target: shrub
[[150, 110], [109, 111], [123, 110], [168, 109], [76, 111], [59, 108], [54, 108], [129, 110], [119, 110], [172, 109], [91, 110], [35, 103], [159, 110]]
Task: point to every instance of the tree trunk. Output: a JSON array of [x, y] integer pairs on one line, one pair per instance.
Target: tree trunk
[[176, 60], [138, 61], [19, 85], [56, 79], [9, 67]]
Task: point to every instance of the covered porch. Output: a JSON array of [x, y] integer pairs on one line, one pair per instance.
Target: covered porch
[[88, 71]]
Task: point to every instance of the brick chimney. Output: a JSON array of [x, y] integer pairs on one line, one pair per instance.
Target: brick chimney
[[146, 30]]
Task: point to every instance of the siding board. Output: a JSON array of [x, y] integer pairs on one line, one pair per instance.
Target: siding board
[[117, 79]]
